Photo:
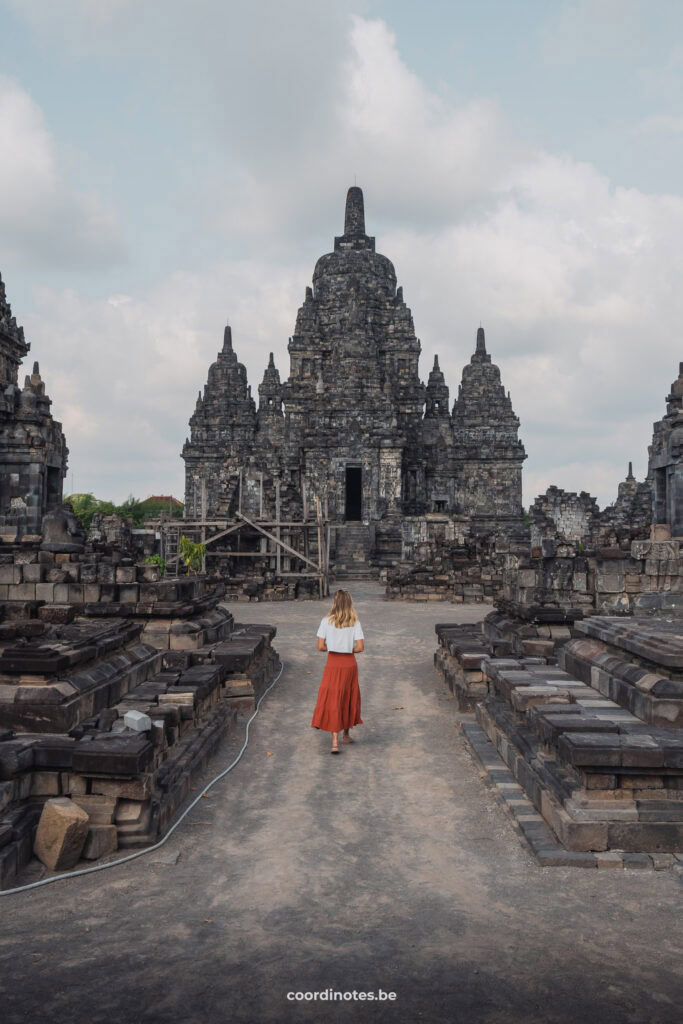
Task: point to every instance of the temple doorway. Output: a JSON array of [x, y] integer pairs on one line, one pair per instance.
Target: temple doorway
[[354, 492]]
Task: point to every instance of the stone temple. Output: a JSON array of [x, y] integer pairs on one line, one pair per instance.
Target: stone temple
[[354, 425], [33, 452]]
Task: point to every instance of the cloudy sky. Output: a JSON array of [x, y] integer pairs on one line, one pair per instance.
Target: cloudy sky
[[168, 168]]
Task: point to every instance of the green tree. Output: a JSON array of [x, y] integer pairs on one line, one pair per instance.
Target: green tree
[[86, 505]]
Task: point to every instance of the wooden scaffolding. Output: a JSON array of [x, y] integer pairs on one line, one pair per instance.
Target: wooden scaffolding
[[292, 549]]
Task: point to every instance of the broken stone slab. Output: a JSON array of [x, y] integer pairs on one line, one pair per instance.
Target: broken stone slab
[[61, 835]]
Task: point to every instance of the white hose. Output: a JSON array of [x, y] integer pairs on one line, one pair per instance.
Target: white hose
[[174, 826]]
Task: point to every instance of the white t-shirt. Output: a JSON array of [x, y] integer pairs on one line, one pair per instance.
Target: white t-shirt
[[341, 641]]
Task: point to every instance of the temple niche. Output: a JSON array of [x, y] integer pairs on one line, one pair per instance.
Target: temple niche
[[353, 425], [33, 452]]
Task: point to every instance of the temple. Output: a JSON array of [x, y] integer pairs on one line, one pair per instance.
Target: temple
[[354, 426], [33, 452]]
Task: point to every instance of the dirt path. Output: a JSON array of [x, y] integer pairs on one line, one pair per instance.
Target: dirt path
[[389, 867]]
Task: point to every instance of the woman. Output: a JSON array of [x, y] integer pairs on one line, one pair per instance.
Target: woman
[[338, 704]]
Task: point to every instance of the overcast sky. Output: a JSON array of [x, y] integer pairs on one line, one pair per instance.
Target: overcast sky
[[167, 168]]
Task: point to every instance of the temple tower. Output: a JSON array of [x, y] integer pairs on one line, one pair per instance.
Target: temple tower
[[222, 434], [33, 451], [488, 454]]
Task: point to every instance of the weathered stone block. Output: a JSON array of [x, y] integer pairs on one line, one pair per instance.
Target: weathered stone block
[[125, 574], [610, 583], [137, 721], [57, 613], [44, 784], [11, 574], [99, 808], [101, 841], [61, 835], [45, 592]]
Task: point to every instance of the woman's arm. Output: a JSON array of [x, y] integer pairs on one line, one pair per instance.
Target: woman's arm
[[322, 646], [358, 646]]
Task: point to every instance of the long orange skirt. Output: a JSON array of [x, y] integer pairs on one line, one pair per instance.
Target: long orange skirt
[[338, 704]]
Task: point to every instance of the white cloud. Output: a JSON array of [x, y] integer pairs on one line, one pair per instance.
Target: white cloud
[[42, 220]]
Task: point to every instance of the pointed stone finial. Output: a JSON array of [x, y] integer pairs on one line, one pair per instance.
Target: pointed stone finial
[[436, 364], [227, 339], [354, 216], [481, 341], [36, 369], [630, 471], [271, 362]]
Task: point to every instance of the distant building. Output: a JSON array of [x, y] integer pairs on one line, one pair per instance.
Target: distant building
[[162, 504]]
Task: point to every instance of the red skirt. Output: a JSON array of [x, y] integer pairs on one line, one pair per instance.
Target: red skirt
[[338, 704]]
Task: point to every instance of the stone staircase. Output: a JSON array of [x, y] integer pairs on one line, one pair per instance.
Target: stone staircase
[[351, 559]]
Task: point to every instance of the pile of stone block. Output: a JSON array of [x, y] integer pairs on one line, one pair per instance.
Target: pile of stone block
[[460, 659], [93, 716], [509, 635]]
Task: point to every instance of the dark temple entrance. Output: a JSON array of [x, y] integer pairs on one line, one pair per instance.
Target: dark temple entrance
[[354, 480]]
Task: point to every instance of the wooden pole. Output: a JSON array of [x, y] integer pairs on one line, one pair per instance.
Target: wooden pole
[[285, 547], [203, 521], [318, 517], [327, 560], [278, 565]]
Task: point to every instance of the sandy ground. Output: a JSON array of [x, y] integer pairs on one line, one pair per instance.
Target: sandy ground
[[389, 867]]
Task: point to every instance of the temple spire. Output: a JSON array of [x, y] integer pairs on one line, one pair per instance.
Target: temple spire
[[227, 339], [630, 471], [481, 340], [354, 216]]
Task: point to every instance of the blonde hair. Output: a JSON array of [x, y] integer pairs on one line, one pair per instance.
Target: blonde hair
[[343, 613]]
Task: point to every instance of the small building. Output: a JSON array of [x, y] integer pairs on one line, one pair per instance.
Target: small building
[[162, 505]]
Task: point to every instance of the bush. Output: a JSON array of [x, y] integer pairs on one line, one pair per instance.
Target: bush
[[192, 554]]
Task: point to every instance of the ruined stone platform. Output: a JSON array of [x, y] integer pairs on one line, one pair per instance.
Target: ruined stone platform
[[595, 741], [64, 733], [115, 687]]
